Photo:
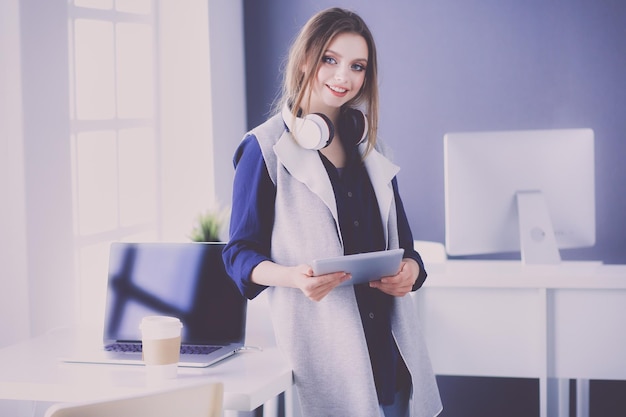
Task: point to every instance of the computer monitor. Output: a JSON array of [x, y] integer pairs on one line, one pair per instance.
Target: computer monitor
[[530, 191]]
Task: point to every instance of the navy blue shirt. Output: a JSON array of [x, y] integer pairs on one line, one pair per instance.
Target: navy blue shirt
[[252, 218]]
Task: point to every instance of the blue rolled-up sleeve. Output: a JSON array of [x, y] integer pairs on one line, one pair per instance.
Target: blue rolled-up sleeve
[[252, 217]]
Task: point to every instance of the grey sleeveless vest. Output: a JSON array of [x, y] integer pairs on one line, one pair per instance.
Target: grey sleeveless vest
[[324, 341]]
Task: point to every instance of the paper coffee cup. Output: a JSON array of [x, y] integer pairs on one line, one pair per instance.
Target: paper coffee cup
[[160, 339]]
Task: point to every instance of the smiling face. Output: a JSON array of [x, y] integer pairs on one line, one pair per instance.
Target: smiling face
[[326, 68], [341, 73]]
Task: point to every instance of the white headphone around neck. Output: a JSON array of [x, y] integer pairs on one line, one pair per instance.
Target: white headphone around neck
[[316, 131]]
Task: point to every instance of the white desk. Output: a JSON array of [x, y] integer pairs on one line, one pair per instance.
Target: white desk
[[31, 371], [501, 319]]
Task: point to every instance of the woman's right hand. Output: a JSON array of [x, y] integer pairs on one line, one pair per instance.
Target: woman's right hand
[[301, 276], [317, 287]]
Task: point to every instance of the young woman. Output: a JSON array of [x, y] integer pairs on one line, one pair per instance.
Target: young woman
[[313, 182]]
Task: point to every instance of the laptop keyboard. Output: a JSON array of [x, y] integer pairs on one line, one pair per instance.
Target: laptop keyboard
[[198, 350], [123, 347], [184, 349]]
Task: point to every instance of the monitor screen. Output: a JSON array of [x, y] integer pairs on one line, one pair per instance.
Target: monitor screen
[[531, 191]]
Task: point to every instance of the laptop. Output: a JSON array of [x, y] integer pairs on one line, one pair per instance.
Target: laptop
[[184, 280]]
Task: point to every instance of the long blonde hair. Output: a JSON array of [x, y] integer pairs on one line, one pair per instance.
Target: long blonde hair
[[310, 46]]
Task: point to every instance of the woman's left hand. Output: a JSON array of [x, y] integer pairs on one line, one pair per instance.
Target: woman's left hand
[[400, 284]]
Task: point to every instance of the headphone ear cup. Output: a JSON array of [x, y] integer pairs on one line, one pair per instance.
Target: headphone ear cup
[[325, 128], [353, 124], [314, 131]]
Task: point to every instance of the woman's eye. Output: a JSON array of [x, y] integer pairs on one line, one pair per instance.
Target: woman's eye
[[329, 60], [359, 67]]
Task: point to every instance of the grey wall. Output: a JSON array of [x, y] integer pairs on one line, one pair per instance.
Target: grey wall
[[490, 65], [479, 65]]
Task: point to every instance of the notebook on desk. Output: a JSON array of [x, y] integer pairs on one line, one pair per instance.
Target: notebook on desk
[[184, 280]]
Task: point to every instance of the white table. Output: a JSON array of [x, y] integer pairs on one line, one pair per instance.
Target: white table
[[31, 371], [503, 319]]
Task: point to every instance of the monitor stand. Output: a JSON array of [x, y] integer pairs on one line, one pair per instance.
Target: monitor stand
[[537, 240]]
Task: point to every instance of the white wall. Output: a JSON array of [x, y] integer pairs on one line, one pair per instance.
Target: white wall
[[14, 312], [217, 108], [186, 138], [47, 167]]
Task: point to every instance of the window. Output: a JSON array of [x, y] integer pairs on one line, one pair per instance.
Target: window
[[140, 137]]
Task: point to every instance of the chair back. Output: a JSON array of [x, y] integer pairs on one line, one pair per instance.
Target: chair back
[[203, 400]]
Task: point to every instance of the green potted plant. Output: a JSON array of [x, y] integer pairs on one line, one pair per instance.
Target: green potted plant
[[210, 225]]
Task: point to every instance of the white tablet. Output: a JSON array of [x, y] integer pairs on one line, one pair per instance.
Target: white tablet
[[364, 267]]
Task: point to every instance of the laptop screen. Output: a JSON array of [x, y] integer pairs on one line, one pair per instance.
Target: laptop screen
[[184, 280]]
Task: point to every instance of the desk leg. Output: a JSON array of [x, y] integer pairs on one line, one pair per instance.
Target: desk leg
[[543, 398], [582, 398], [554, 397], [563, 398], [292, 404], [553, 392], [544, 337]]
